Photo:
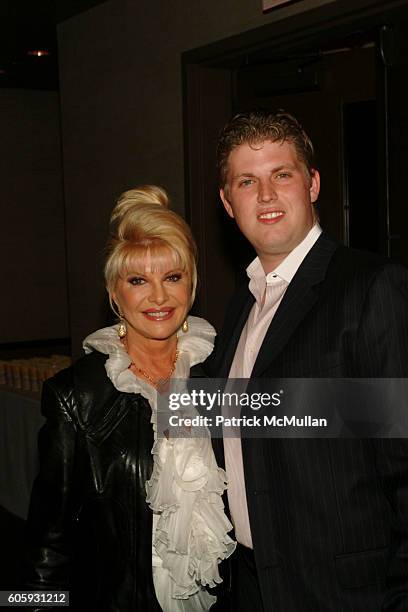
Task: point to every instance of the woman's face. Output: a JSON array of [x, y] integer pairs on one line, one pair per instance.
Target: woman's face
[[153, 297]]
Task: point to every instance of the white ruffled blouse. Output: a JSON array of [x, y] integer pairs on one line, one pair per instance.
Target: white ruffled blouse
[[190, 528]]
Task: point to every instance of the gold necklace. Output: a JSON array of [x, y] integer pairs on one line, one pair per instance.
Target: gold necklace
[[162, 380], [147, 375]]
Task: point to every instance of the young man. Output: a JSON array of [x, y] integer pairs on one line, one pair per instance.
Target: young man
[[322, 524]]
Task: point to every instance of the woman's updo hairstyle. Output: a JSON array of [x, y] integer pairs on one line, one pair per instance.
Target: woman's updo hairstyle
[[142, 227]]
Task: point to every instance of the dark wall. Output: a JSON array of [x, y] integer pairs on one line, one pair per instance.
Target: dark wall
[[34, 304]]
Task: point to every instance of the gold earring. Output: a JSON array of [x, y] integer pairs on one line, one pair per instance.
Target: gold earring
[[122, 331], [184, 327]]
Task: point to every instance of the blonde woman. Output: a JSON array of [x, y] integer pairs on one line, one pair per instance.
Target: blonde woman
[[110, 518]]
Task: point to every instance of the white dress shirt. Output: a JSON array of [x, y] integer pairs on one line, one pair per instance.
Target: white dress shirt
[[268, 291]]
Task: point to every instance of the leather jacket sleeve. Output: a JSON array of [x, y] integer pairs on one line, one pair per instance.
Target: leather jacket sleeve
[[54, 500], [89, 528]]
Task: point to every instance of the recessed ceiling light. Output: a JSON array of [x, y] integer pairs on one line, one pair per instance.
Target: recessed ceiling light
[[38, 52]]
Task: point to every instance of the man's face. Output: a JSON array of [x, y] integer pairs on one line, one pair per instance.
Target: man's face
[[270, 194]]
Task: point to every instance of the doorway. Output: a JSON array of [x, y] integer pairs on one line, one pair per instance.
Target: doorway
[[342, 77]]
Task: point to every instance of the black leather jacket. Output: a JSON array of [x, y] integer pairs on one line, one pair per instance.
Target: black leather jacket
[[89, 529]]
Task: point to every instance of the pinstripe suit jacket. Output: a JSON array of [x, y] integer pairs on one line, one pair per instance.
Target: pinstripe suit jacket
[[329, 518]]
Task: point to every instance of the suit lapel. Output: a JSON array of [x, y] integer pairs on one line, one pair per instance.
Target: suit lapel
[[237, 316], [298, 300]]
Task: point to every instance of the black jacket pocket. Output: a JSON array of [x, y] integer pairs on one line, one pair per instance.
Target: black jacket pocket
[[355, 570]]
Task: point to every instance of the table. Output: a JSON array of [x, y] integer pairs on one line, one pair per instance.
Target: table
[[20, 421]]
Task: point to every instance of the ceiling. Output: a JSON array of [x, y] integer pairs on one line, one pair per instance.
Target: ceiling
[[29, 26]]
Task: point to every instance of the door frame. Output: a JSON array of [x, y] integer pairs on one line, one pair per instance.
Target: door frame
[[313, 27]]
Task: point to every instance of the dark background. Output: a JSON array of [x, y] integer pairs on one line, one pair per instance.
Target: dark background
[[136, 92]]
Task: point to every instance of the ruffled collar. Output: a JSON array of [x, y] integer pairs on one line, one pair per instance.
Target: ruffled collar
[[194, 347]]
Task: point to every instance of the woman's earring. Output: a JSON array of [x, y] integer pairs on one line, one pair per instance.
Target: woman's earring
[[122, 331], [184, 327]]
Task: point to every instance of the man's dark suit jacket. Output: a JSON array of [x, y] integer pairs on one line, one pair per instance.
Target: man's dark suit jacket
[[329, 517]]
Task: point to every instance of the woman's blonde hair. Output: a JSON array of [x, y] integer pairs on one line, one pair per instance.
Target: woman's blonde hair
[[141, 226]]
